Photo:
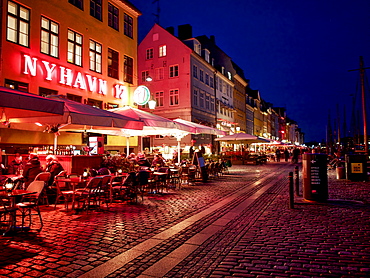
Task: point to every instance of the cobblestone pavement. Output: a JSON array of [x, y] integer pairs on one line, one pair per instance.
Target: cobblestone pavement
[[238, 225]]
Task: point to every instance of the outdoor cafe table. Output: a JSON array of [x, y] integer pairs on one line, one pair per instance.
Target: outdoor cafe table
[[74, 182], [12, 196]]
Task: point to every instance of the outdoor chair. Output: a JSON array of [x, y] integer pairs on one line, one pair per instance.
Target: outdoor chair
[[31, 202], [105, 193], [120, 187], [7, 216], [45, 177], [175, 177], [63, 191], [89, 196]]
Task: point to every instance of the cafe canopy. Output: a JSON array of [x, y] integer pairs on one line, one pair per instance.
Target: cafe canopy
[[16, 104]]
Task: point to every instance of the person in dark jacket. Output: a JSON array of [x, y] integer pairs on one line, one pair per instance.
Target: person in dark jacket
[[32, 169], [53, 167], [16, 165]]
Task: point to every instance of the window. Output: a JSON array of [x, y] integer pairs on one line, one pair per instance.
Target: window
[[195, 97], [77, 3], [74, 54], [95, 56], [197, 48], [212, 104], [112, 63], [207, 102], [113, 16], [18, 24], [111, 105], [201, 100], [159, 96], [174, 97], [159, 73], [207, 79], [206, 55], [94, 103], [162, 50], [195, 71], [211, 82], [144, 75], [201, 75], [174, 71], [49, 37], [96, 9], [128, 28], [149, 53], [74, 97], [128, 70], [16, 85], [47, 92]]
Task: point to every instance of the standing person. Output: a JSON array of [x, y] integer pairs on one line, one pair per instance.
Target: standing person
[[32, 169], [191, 152], [286, 154], [202, 150], [278, 154], [296, 154], [53, 167]]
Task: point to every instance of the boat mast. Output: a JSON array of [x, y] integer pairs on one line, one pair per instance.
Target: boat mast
[[364, 117]]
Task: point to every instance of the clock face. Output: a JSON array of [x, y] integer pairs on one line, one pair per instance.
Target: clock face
[[141, 95]]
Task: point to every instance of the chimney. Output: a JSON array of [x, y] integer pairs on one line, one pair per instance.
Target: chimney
[[185, 32], [171, 30]]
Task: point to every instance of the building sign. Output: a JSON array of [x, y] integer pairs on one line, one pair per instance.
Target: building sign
[[68, 77], [141, 95], [356, 168]]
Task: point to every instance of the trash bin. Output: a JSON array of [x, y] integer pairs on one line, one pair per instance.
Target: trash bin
[[356, 166], [341, 174], [315, 177]]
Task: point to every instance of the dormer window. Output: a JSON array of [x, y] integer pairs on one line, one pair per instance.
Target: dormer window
[[206, 55], [197, 47]]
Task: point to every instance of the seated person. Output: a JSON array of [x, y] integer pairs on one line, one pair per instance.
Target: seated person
[[158, 161], [16, 165], [32, 169], [53, 167], [142, 161]]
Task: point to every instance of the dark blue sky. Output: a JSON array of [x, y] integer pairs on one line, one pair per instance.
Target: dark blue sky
[[297, 53]]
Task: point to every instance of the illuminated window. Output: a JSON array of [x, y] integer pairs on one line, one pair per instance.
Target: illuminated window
[[18, 24], [195, 71], [95, 56], [159, 96], [201, 75], [74, 54], [206, 55], [49, 37], [128, 69], [207, 79], [174, 71], [47, 92], [149, 53], [77, 3], [144, 75], [128, 26], [174, 97], [16, 85], [112, 105], [162, 50], [197, 47], [96, 9], [112, 63], [113, 16], [159, 73], [94, 103]]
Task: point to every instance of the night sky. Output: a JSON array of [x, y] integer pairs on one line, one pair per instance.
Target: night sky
[[297, 53]]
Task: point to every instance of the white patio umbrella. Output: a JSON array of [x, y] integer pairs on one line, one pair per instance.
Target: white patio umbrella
[[198, 128], [238, 138]]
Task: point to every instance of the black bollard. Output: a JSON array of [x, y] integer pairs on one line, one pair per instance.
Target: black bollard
[[296, 181], [291, 191]]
